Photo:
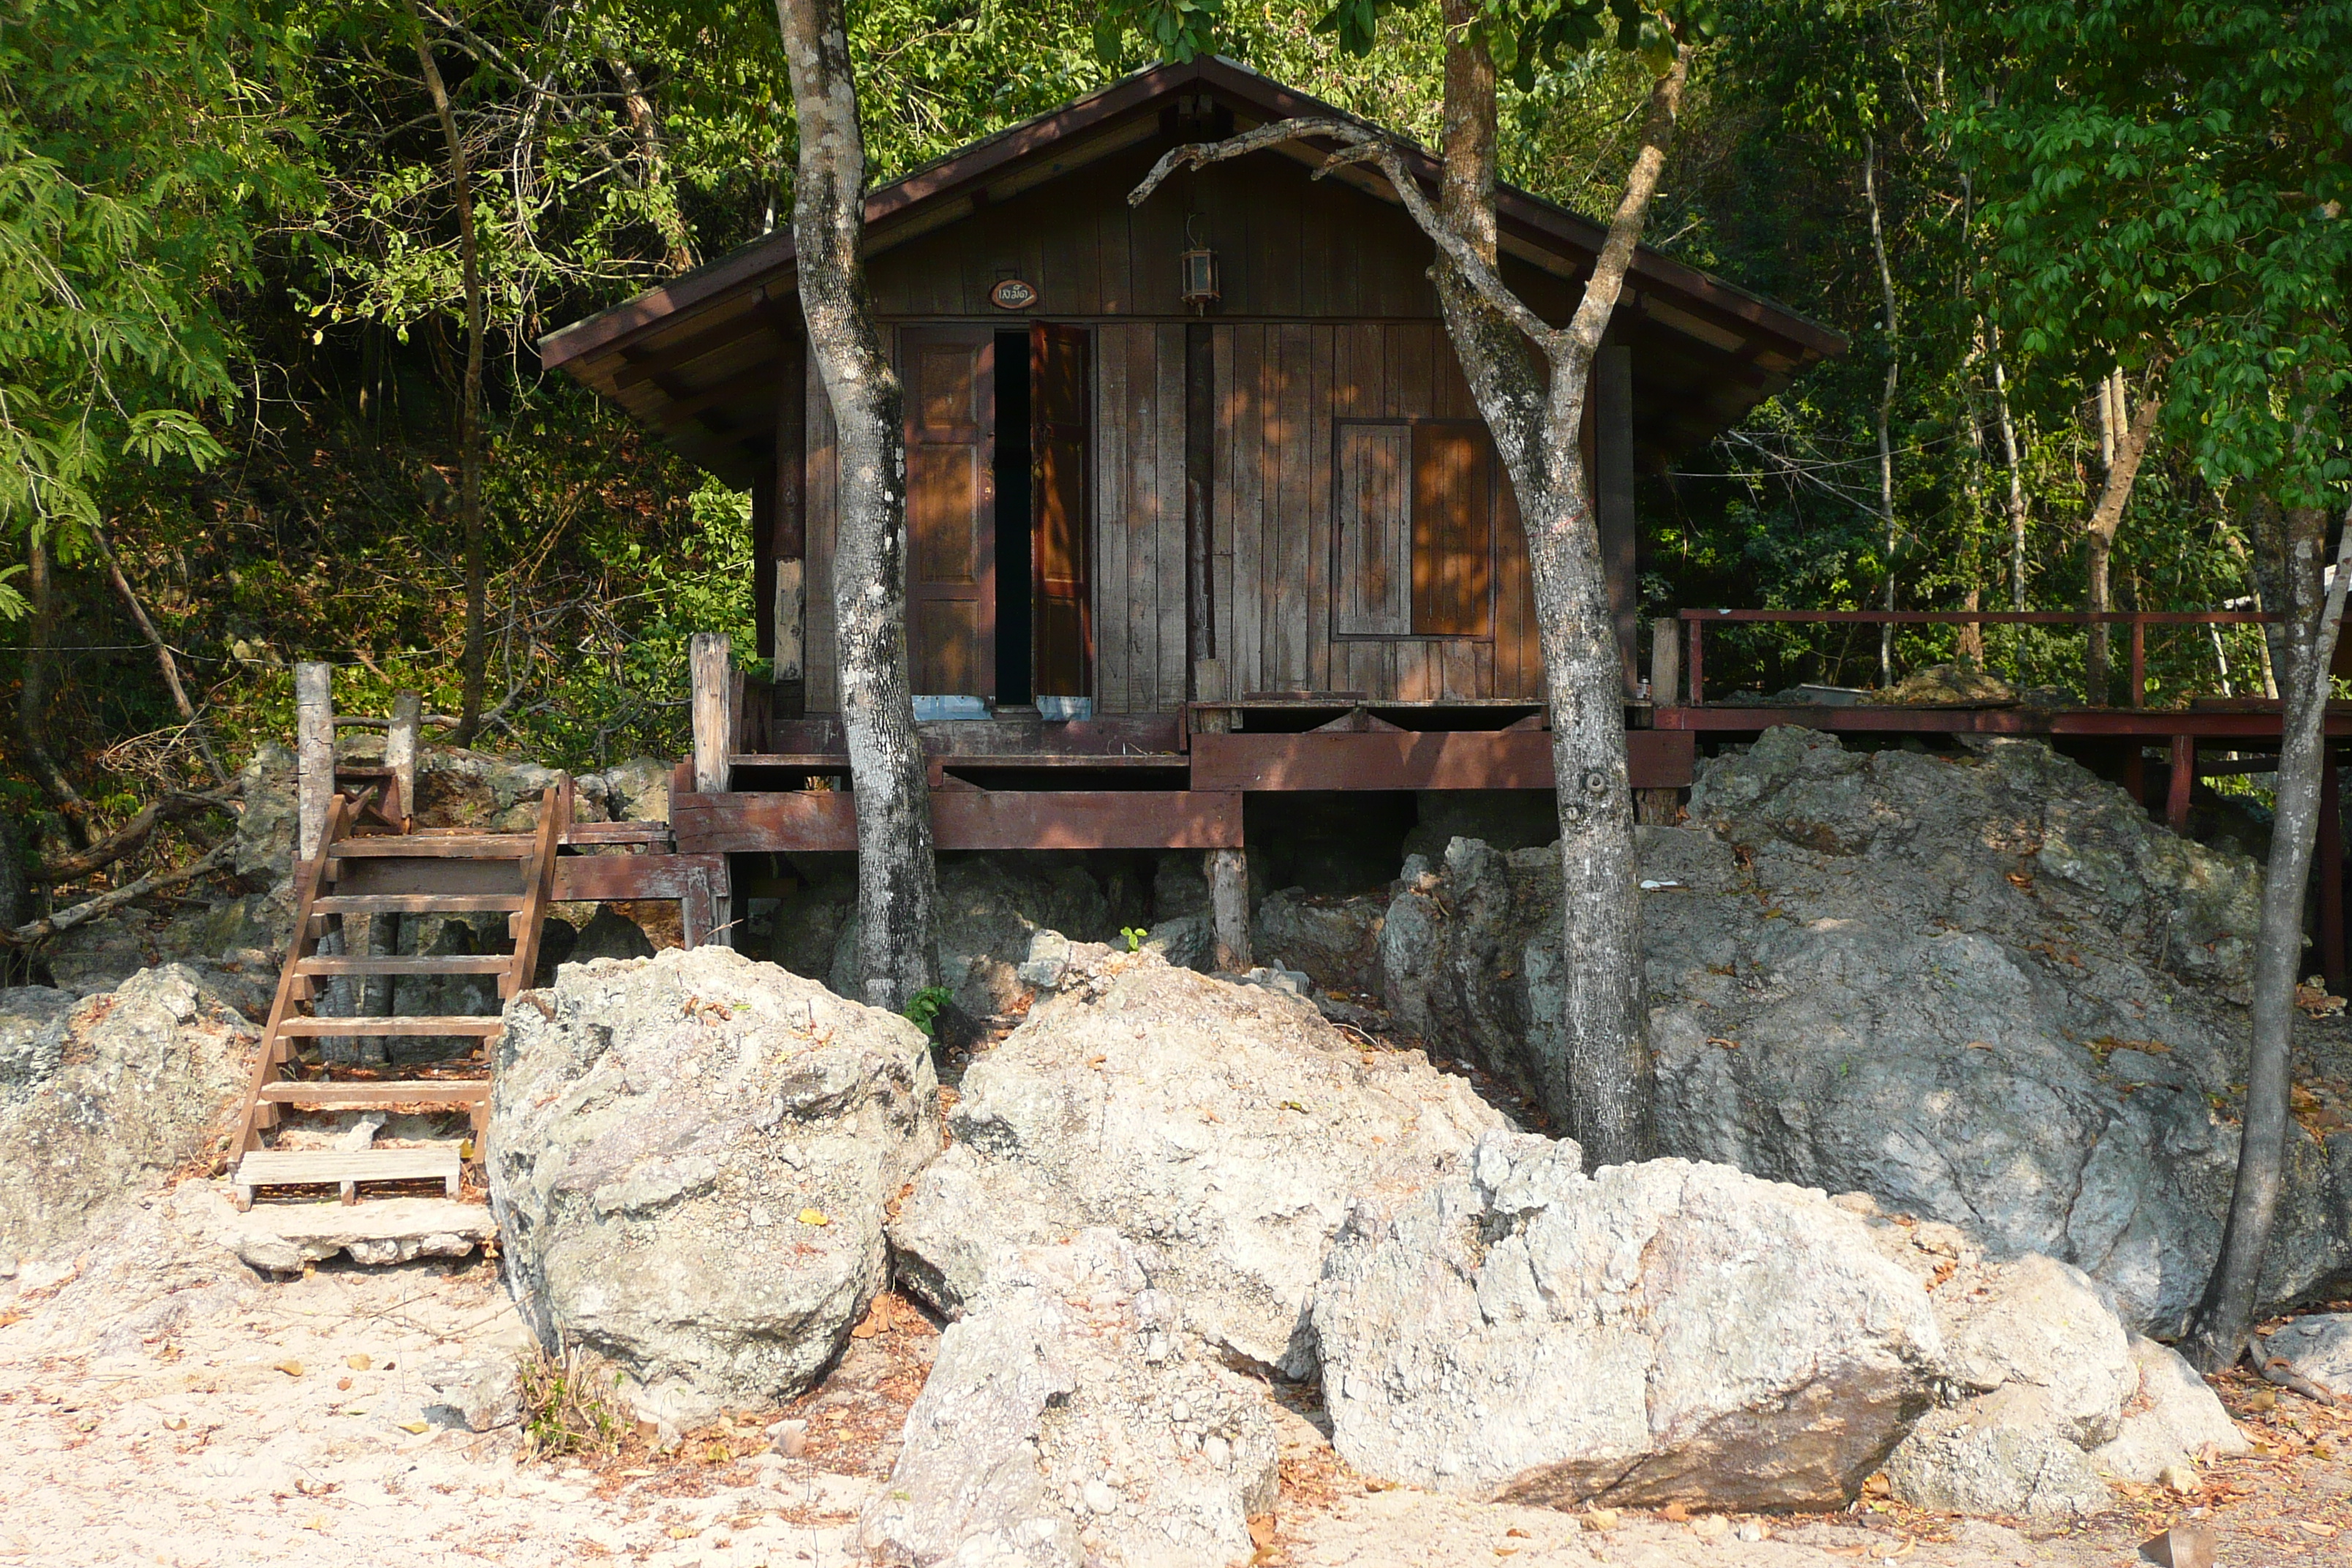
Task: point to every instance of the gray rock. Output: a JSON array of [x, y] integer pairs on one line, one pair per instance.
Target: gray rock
[[991, 907], [1336, 941], [1069, 1420], [1907, 974], [609, 934], [106, 1099], [2172, 1418], [2041, 1322], [688, 1159], [1221, 1128], [486, 1395], [2316, 1349], [2006, 1452], [1659, 1332]]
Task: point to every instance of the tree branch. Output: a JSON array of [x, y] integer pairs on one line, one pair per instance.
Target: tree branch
[[153, 882], [163, 659], [176, 806], [1616, 257], [1361, 144]]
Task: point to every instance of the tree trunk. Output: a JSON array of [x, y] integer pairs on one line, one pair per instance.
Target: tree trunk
[[165, 659], [2288, 544], [2016, 474], [474, 662], [897, 893], [2123, 445], [1885, 403], [38, 687], [677, 246], [1537, 422]]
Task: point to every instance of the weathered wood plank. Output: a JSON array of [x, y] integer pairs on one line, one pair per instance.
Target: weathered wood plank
[[743, 822], [414, 847], [1451, 758], [1115, 486], [1315, 517], [1172, 538], [617, 878], [820, 497], [330, 1095], [339, 1028], [1245, 654], [417, 904], [405, 963]]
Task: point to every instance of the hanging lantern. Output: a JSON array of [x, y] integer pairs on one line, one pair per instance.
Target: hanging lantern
[[1200, 273]]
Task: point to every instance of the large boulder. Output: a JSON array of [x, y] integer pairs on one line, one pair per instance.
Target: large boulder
[[1334, 941], [1220, 1127], [2172, 1418], [1069, 1420], [104, 1097], [689, 1157], [1984, 988], [1659, 1332]]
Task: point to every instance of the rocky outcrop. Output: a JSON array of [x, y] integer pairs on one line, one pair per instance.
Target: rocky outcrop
[[2171, 1419], [1335, 941], [1962, 983], [689, 1157], [1659, 1332], [1069, 1419], [2005, 1453], [1219, 1127], [104, 1097]]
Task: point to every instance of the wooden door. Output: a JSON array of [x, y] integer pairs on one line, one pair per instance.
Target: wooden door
[[1059, 397], [949, 374]]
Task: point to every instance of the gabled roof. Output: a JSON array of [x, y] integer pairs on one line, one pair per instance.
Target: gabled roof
[[675, 356]]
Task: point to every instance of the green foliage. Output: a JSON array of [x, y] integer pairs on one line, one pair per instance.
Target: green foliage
[[923, 1008], [2168, 183], [142, 145], [567, 1408], [1134, 935]]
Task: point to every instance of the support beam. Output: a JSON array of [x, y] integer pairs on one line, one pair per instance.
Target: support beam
[[2183, 779], [1229, 910], [1612, 464], [314, 753], [400, 750], [712, 685], [1665, 661]]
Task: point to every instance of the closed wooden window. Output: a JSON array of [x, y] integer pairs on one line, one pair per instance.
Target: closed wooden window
[[1413, 515]]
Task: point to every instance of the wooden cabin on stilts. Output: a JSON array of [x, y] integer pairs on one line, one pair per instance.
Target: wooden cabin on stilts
[[1200, 505]]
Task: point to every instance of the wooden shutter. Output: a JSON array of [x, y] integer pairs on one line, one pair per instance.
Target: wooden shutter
[[951, 387], [1453, 531], [1373, 579], [1062, 598]]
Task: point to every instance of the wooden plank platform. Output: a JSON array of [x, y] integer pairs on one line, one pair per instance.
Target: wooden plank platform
[[1418, 759], [410, 846], [967, 819], [345, 1169], [417, 903], [306, 1027], [329, 1095]]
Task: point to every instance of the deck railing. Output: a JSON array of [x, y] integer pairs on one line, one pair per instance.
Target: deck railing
[[1695, 622]]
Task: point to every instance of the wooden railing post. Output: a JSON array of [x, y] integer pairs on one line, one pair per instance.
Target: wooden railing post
[[708, 666], [314, 753], [2139, 662], [400, 750], [1666, 662], [1698, 663]]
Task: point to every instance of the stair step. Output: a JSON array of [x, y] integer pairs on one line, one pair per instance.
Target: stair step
[[345, 1168], [449, 1024], [327, 1095], [424, 963], [416, 903], [410, 846]]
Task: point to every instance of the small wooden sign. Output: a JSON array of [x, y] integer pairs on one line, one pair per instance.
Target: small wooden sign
[[1012, 294]]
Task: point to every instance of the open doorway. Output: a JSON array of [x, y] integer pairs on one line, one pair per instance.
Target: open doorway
[[998, 593]]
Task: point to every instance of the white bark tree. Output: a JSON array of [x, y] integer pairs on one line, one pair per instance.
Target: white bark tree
[[896, 888], [1530, 380]]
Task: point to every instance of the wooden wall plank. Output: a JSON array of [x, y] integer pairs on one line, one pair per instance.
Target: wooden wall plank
[[1170, 540], [821, 498], [1223, 503], [1322, 343], [1111, 503], [1251, 559], [1287, 658], [1141, 626]]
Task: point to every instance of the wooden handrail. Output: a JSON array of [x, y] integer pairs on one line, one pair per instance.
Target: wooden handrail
[[1696, 621]]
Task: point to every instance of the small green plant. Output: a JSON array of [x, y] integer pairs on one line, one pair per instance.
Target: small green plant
[[565, 1408], [1135, 935], [923, 1008]]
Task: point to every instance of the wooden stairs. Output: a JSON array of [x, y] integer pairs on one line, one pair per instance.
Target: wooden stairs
[[379, 874]]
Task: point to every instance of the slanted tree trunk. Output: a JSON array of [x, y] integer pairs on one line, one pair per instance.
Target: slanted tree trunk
[[474, 663], [164, 659], [897, 894], [38, 687], [2123, 445], [2288, 546], [677, 246], [1530, 380], [2016, 498]]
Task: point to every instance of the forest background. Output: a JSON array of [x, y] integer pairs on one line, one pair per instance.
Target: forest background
[[233, 336]]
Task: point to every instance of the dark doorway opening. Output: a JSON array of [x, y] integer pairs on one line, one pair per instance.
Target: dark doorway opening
[[1014, 683]]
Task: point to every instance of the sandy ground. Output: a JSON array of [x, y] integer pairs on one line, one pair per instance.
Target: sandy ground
[[160, 1403]]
